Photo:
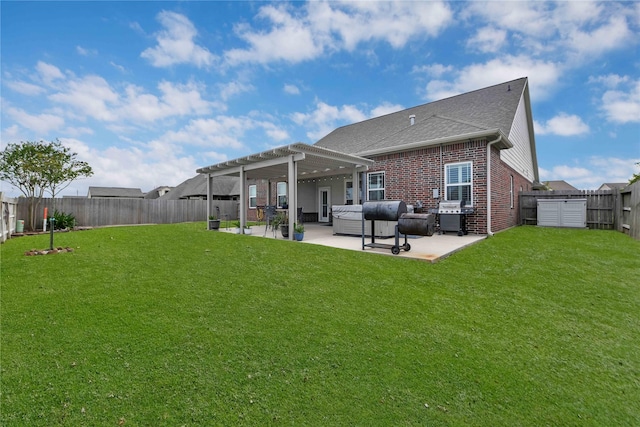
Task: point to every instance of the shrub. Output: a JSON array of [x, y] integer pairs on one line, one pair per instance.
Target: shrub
[[63, 220]]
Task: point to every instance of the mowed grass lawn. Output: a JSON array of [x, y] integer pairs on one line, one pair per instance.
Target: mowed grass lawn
[[173, 325]]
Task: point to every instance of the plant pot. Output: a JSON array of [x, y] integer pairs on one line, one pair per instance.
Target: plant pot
[[247, 231], [237, 230], [214, 224], [298, 236], [284, 229]]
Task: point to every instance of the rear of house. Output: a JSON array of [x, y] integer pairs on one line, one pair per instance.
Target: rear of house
[[478, 147]]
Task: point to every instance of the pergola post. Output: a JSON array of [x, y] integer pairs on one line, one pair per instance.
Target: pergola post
[[209, 197], [243, 201], [293, 195]]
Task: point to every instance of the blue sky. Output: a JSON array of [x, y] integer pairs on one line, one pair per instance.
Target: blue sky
[[147, 92]]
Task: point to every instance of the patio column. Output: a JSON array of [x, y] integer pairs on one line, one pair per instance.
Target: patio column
[[209, 201], [355, 186], [293, 199], [243, 207]]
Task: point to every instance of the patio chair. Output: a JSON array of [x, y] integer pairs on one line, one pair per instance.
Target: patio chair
[[269, 214]]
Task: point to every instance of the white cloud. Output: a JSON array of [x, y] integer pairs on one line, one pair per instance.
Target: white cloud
[[543, 75], [296, 35], [325, 118], [433, 70], [231, 89], [622, 106], [592, 172], [289, 39], [91, 96], [40, 123], [134, 167], [176, 44], [563, 125], [610, 80], [24, 87], [48, 73], [291, 89], [219, 132], [118, 67], [385, 108], [86, 52], [571, 30], [488, 40]]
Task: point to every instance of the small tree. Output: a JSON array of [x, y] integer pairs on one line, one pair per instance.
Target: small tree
[[635, 177], [36, 167]]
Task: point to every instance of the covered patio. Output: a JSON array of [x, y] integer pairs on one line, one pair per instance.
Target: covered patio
[[291, 164]]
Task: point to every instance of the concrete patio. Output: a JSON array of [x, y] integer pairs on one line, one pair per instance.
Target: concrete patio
[[426, 248]]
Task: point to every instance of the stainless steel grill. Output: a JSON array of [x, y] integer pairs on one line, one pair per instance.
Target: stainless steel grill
[[452, 216]]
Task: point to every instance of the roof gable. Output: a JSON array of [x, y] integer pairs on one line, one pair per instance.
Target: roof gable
[[483, 110]]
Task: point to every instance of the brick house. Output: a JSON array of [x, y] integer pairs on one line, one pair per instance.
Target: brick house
[[465, 147]]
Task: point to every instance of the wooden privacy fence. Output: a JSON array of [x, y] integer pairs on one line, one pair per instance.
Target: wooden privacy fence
[[96, 212], [606, 209], [8, 208]]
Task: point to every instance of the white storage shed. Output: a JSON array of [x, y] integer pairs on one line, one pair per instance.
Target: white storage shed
[[562, 213]]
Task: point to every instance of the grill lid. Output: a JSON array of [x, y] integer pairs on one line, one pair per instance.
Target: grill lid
[[450, 207]]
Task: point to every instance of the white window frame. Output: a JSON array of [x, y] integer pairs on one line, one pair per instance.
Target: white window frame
[[253, 196], [281, 194], [460, 180], [376, 189]]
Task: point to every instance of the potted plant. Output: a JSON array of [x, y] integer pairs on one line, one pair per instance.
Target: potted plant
[[298, 232], [214, 222], [247, 229], [284, 225], [236, 226]]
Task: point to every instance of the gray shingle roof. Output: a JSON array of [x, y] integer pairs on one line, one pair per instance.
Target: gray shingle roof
[[491, 108], [197, 187], [118, 192]]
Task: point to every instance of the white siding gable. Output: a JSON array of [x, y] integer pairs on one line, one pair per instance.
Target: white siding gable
[[520, 157]]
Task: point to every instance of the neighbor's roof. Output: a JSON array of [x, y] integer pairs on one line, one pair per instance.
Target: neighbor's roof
[[613, 185], [120, 192], [481, 113], [197, 187], [559, 185]]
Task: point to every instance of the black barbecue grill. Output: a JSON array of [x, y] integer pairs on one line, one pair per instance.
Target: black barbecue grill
[[384, 210], [452, 216]]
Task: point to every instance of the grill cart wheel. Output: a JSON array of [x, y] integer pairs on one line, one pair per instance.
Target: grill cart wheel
[[407, 247], [395, 250]]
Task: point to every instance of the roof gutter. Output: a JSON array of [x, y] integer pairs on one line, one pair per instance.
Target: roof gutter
[[446, 140], [489, 144]]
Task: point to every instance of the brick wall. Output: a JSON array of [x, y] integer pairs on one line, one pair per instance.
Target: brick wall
[[413, 175]]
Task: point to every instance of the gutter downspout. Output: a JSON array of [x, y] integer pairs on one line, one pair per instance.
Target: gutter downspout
[[495, 141]]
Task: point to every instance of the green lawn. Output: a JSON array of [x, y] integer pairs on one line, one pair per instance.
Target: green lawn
[[173, 325]]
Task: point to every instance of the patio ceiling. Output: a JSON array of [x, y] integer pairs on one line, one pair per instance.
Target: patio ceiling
[[311, 161]]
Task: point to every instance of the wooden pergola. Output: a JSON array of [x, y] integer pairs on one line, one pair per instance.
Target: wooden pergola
[[288, 162]]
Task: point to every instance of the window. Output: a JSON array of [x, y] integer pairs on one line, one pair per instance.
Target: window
[[458, 182], [252, 196], [282, 194], [375, 186], [348, 192], [511, 189]]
